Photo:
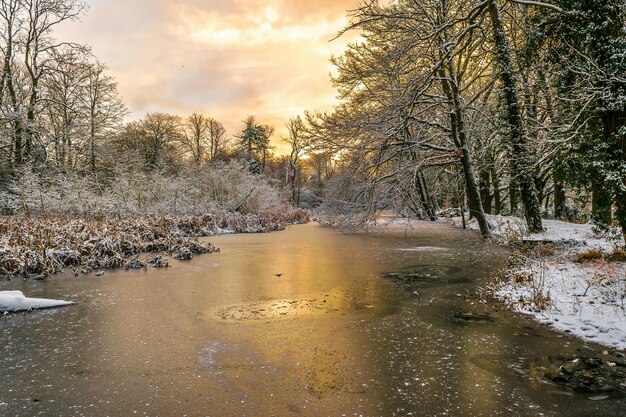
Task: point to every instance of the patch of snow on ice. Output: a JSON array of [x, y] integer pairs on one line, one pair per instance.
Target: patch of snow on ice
[[423, 249], [13, 301]]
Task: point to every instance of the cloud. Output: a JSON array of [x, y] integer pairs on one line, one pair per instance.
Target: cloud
[[226, 58]]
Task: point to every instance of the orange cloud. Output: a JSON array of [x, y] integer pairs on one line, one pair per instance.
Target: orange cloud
[[225, 58]]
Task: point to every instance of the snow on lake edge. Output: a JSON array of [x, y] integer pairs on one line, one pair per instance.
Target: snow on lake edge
[[586, 299], [14, 301]]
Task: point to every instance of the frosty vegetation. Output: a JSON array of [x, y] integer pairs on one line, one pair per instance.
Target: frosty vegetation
[[64, 221]]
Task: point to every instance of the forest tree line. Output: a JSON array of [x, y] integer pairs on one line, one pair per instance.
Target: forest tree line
[[508, 106], [62, 119]]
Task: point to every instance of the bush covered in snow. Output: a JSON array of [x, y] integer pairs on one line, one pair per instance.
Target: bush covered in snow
[[194, 191]]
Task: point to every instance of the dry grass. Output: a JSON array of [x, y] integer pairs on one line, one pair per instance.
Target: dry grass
[[39, 247], [522, 277], [545, 250], [593, 254], [540, 300], [618, 255]]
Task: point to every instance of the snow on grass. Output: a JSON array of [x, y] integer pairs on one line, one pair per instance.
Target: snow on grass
[[586, 299], [13, 301]]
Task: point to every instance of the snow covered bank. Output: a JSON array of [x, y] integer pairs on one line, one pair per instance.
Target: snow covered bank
[[13, 301], [569, 277], [586, 300]]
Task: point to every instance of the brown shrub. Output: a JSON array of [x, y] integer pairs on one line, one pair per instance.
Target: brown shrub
[[522, 277], [545, 250], [589, 255], [618, 255]]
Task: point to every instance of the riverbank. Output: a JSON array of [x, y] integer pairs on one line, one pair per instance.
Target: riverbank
[[38, 247], [570, 277]]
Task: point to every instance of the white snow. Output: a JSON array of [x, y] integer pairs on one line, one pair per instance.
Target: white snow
[[13, 301], [423, 249], [584, 299], [558, 231]]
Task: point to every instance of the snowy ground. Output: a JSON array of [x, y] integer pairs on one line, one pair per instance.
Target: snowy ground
[[13, 301], [585, 299]]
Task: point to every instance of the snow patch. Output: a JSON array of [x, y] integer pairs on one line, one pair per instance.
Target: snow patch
[[423, 249], [13, 301], [584, 299]]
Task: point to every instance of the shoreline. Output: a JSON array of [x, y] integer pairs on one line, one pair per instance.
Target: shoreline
[[568, 277], [38, 247]]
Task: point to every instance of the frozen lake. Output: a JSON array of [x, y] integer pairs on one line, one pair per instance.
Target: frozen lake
[[355, 325]]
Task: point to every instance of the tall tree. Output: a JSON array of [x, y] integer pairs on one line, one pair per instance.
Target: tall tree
[[406, 93], [217, 140], [103, 108], [590, 42], [39, 50], [520, 158], [204, 136], [299, 141], [255, 142]]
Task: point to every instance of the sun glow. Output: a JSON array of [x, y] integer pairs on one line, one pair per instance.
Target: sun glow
[[215, 33], [224, 58]]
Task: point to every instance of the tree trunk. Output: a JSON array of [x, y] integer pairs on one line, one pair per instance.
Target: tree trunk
[[621, 212], [485, 191], [520, 161], [457, 124], [421, 187], [620, 194], [513, 196], [459, 137], [497, 195], [559, 200], [92, 145], [18, 128], [601, 202], [430, 204]]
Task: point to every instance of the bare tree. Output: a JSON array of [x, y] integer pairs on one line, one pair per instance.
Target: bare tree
[[407, 92], [155, 139], [299, 141], [60, 126], [39, 50], [12, 25], [217, 138], [204, 136], [103, 108]]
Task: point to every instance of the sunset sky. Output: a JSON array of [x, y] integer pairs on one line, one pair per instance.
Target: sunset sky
[[224, 58]]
